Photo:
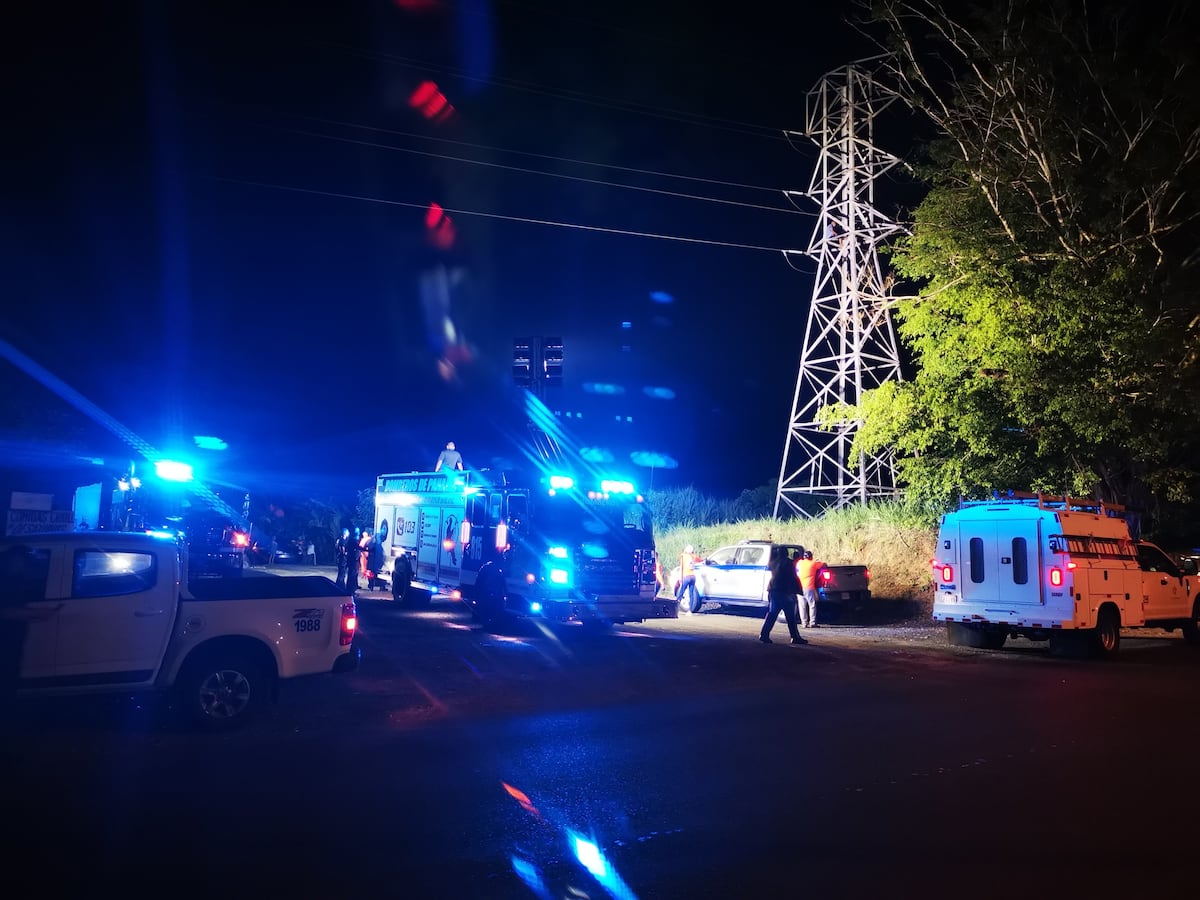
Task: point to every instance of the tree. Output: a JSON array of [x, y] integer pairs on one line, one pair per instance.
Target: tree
[[1056, 332]]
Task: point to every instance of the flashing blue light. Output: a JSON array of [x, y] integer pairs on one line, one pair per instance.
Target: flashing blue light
[[659, 393], [208, 442], [558, 552], [561, 482], [596, 455], [616, 487], [535, 607], [170, 470], [661, 297], [559, 576]]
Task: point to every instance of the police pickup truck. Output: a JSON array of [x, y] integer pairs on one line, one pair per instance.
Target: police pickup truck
[[104, 612]]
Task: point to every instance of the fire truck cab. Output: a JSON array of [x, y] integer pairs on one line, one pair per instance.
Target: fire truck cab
[[546, 546]]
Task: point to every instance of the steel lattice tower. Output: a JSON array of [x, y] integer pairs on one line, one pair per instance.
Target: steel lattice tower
[[849, 343]]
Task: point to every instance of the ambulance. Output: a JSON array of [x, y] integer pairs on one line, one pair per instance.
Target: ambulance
[[1058, 569]]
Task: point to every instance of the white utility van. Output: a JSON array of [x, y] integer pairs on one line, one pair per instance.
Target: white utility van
[[1054, 568]]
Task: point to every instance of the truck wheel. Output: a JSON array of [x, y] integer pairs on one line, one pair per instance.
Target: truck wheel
[[220, 691], [1191, 627], [957, 634], [1106, 637], [994, 639], [489, 599]]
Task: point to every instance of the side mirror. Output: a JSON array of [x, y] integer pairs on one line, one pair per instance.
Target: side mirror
[[1189, 566]]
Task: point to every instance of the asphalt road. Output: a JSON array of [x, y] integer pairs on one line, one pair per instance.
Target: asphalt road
[[679, 759]]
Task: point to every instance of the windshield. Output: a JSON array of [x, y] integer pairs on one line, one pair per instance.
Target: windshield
[[570, 519]]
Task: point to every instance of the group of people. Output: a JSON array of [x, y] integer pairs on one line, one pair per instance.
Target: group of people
[[792, 590], [359, 555]]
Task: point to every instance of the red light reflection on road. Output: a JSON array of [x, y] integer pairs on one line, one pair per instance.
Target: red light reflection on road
[[521, 797]]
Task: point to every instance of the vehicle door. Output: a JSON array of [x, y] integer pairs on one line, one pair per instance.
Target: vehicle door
[[749, 573], [999, 562], [1164, 589], [116, 618], [30, 600], [713, 576]]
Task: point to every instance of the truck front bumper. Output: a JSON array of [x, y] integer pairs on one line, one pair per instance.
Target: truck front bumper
[[606, 610]]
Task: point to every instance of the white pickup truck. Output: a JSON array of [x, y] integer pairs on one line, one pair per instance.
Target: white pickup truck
[[99, 611]]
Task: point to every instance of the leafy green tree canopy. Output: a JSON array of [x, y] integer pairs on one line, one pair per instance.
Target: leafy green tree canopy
[[1056, 330]]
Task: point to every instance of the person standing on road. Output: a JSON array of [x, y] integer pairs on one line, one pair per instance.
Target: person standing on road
[[402, 575], [347, 554], [781, 596], [687, 580], [373, 559], [808, 569]]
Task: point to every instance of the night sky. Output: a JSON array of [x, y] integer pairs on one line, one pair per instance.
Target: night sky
[[217, 213]]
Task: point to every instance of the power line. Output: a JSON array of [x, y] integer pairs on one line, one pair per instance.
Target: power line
[[547, 156], [597, 181], [486, 215], [762, 131]]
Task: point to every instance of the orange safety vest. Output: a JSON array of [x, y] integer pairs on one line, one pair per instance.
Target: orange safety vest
[[687, 565], [807, 569]]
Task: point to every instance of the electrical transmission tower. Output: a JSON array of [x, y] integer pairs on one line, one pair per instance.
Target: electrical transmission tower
[[849, 343]]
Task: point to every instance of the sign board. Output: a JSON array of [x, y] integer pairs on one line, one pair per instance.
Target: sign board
[[27, 500], [30, 521]]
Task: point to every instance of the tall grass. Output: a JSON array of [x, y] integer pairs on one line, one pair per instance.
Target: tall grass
[[894, 540]]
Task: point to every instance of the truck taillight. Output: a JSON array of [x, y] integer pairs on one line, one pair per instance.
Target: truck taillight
[[349, 623], [826, 575], [1056, 577], [241, 539], [867, 574], [947, 573]]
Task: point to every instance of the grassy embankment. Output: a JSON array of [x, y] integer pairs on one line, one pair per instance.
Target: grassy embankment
[[892, 542]]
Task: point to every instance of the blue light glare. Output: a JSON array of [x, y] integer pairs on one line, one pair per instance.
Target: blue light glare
[[589, 856], [659, 393], [600, 387], [529, 874], [616, 487], [208, 442], [172, 470], [596, 455], [535, 607], [561, 482], [559, 576], [558, 552], [653, 460], [661, 297], [592, 859]]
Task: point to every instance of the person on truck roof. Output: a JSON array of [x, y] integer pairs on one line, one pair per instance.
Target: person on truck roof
[[450, 458]]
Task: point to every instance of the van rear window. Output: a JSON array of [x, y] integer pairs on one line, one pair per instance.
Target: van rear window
[[977, 572], [1020, 561]]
